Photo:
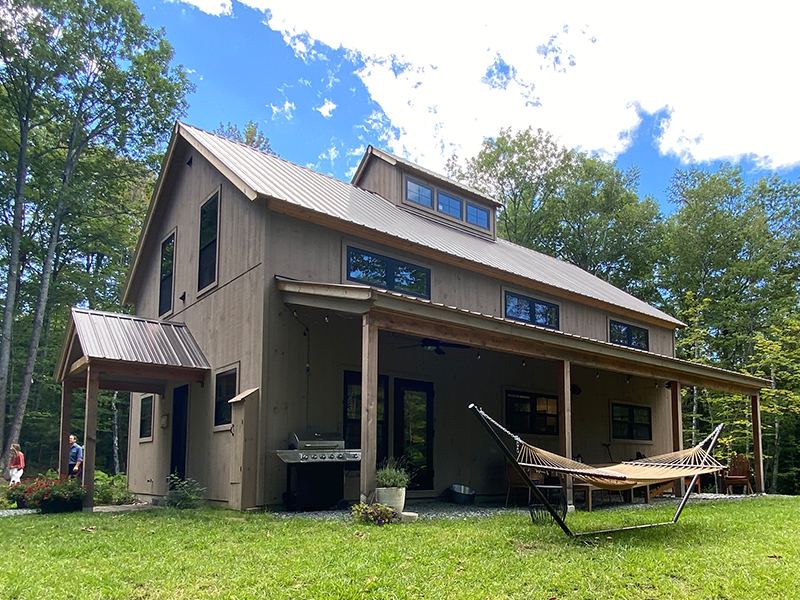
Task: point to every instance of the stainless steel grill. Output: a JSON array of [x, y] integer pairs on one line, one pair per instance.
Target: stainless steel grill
[[314, 447]]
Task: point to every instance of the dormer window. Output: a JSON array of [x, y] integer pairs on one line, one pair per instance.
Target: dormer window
[[419, 194], [449, 205], [478, 216]]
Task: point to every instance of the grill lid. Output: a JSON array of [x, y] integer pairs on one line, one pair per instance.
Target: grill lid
[[314, 440]]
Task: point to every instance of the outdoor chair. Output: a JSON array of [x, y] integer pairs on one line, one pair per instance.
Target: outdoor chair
[[738, 473], [515, 481]]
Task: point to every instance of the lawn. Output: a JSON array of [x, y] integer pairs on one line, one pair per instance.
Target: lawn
[[746, 549]]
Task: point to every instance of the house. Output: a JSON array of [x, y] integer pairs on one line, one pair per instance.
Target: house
[[272, 299]]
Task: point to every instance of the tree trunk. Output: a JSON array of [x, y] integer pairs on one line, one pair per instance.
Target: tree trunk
[[115, 433], [12, 278]]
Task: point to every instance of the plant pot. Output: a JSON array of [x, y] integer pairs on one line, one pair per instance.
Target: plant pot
[[61, 506], [392, 497]]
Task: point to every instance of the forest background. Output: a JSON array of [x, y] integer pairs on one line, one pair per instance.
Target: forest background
[[89, 95]]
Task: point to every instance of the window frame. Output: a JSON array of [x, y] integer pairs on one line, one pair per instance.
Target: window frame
[[152, 399], [478, 207], [532, 398], [534, 302], [218, 400], [201, 289], [174, 235], [436, 191], [631, 423], [391, 264], [406, 198], [629, 337], [451, 197], [351, 377]]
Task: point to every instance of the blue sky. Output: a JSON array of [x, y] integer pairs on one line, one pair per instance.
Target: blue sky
[[699, 84]]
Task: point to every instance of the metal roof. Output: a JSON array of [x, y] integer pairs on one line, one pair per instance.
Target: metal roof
[[260, 174], [133, 339]]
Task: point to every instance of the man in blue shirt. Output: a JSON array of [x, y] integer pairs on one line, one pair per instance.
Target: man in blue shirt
[[75, 458]]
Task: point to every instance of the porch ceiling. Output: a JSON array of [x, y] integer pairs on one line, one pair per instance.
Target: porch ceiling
[[129, 353], [405, 314]]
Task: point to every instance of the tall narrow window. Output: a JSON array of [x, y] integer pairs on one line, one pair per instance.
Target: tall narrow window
[[352, 413], [146, 417], [167, 268], [629, 335], [207, 273], [224, 390]]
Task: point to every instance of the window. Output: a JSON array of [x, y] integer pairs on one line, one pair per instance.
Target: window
[[208, 242], [352, 413], [449, 205], [146, 417], [392, 274], [477, 216], [419, 194], [167, 267], [629, 335], [631, 422], [531, 310], [224, 390], [531, 413]]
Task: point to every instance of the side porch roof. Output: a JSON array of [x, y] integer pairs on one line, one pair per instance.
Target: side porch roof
[[405, 314], [131, 353]]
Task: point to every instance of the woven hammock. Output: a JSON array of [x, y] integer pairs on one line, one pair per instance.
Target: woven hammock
[[622, 476]]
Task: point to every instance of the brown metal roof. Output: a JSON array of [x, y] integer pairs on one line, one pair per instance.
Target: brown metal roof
[[260, 174]]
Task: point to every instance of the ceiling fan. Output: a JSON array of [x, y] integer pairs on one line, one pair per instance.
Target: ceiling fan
[[436, 346]]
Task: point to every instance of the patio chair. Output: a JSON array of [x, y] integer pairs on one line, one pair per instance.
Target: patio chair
[[738, 473], [515, 481]]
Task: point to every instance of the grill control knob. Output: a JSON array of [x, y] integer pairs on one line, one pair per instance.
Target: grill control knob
[[313, 457], [340, 456], [322, 457], [304, 457], [331, 456]]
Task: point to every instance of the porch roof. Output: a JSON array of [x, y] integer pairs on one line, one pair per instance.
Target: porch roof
[[130, 353], [406, 314]]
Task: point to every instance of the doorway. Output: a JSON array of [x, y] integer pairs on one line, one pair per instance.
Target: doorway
[[413, 429], [180, 405]]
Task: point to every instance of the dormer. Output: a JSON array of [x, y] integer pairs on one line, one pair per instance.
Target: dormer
[[426, 193]]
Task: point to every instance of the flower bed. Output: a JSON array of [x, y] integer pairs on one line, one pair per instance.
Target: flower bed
[[50, 495]]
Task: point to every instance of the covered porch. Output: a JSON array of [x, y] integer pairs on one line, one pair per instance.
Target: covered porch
[[110, 351], [574, 368]]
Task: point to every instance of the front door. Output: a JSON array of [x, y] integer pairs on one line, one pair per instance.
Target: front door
[[413, 431], [180, 405]]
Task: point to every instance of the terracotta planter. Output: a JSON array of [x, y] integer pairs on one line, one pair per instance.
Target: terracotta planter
[[392, 497]]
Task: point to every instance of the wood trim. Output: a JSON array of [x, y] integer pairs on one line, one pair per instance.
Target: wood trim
[[79, 366], [369, 406], [66, 418], [565, 421], [146, 371], [758, 453], [328, 221], [90, 435], [677, 416]]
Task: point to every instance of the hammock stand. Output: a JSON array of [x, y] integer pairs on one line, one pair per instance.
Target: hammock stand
[[607, 477]]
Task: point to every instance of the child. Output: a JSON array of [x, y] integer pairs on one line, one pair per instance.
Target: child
[[16, 465]]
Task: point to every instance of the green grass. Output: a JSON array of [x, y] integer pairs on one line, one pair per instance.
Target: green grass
[[747, 549]]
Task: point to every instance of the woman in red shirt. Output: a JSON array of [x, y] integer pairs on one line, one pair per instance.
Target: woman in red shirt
[[16, 465]]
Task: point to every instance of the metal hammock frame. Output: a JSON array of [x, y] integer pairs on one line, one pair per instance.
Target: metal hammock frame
[[650, 470]]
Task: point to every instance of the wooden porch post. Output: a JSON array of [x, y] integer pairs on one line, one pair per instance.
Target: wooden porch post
[[565, 424], [369, 406], [677, 429], [90, 435], [66, 416], [758, 457]]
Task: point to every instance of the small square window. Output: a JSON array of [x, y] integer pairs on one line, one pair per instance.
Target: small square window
[[631, 422], [531, 413], [449, 205], [419, 194], [477, 216]]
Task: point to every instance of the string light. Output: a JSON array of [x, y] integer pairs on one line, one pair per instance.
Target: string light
[[479, 355], [523, 361]]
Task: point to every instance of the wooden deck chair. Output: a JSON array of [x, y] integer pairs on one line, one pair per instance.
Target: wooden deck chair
[[738, 473]]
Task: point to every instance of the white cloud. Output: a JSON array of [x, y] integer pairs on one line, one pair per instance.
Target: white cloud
[[284, 111], [326, 109], [721, 72], [211, 7]]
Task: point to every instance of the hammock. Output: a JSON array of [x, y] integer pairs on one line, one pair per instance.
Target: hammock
[[626, 475]]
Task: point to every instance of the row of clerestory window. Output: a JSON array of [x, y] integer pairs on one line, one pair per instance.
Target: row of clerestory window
[[447, 204]]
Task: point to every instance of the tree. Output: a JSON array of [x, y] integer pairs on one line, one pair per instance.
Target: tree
[[118, 92], [251, 136]]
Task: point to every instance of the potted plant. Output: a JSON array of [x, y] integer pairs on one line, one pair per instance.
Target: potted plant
[[392, 479]]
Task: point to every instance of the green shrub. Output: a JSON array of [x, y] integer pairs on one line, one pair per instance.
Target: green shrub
[[64, 494], [5, 503], [184, 493], [16, 493], [110, 489], [393, 473], [379, 514]]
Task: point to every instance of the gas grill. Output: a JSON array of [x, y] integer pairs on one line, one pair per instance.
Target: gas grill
[[315, 470]]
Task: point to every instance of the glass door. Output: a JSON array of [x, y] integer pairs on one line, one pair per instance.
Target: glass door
[[413, 429]]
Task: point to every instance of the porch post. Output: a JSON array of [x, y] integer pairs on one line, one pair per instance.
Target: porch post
[[90, 435], [369, 405], [758, 457], [677, 428], [565, 424], [66, 416]]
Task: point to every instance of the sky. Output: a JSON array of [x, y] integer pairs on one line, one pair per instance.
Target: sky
[[659, 86]]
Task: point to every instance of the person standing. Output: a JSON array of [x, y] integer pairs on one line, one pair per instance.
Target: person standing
[[16, 465], [75, 458]]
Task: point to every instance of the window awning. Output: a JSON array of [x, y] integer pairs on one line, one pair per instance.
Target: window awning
[[130, 353], [405, 314]]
